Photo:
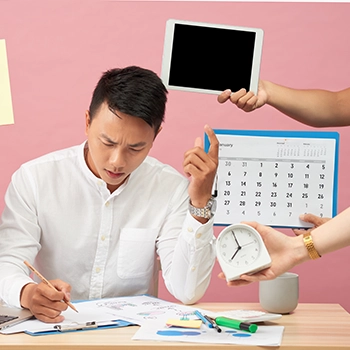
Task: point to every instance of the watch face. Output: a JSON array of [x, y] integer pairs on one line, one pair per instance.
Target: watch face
[[239, 246]]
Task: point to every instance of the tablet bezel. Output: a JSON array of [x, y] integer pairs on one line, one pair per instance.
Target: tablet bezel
[[168, 47]]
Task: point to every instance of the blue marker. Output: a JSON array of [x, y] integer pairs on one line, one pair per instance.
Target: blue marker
[[204, 320]]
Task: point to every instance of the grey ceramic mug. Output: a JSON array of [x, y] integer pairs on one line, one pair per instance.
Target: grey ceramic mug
[[281, 294]]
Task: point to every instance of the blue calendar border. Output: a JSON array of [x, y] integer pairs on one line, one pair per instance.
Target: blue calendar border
[[288, 134]]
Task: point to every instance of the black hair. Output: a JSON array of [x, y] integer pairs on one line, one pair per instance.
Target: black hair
[[132, 90]]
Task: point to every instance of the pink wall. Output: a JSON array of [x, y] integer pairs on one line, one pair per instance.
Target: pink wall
[[58, 49]]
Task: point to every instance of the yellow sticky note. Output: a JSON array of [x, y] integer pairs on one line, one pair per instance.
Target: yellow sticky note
[[6, 111], [184, 323]]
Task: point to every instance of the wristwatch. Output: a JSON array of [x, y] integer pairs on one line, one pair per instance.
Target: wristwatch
[[309, 244], [207, 212]]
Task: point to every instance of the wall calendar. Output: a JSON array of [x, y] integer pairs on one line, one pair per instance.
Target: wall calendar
[[274, 176]]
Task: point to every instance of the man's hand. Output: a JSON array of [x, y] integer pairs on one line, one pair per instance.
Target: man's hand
[[244, 100], [45, 303], [202, 166]]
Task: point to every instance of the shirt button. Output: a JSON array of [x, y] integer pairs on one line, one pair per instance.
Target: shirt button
[[98, 269], [107, 204], [193, 268], [189, 229], [103, 238], [198, 235]]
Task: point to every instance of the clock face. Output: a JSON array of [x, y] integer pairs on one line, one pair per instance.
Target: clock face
[[240, 250], [239, 246]]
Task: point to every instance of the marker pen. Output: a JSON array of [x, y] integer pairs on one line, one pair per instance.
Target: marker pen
[[204, 320], [213, 323], [231, 323]]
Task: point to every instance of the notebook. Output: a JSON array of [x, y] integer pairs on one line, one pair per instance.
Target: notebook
[[10, 316]]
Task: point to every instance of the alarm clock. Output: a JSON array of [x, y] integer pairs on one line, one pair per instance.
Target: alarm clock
[[241, 250]]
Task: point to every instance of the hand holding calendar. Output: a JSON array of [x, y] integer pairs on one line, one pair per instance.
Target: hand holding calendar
[[316, 221], [202, 167]]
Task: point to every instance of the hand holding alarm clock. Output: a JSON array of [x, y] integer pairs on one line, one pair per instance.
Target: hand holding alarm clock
[[241, 250]]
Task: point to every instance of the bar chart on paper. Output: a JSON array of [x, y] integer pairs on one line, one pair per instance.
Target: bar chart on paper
[[274, 176]]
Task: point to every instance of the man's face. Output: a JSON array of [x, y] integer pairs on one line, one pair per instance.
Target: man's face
[[118, 144]]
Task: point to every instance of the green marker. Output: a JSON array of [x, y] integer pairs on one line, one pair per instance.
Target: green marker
[[231, 323]]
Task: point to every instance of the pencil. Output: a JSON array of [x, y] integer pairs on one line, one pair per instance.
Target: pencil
[[43, 279]]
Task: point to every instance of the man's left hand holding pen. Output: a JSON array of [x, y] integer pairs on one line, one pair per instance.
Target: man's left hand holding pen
[[45, 302]]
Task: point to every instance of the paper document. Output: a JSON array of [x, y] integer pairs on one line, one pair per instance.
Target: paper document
[[264, 336], [159, 320], [88, 313], [6, 112], [252, 316]]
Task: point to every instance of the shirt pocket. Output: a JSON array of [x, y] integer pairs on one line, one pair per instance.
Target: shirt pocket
[[136, 253]]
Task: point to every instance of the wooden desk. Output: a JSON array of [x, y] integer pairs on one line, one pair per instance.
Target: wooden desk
[[310, 327]]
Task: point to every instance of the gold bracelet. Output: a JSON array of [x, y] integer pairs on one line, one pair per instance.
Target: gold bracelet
[[309, 244]]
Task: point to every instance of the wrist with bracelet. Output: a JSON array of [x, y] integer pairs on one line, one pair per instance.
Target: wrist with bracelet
[[206, 212], [309, 244]]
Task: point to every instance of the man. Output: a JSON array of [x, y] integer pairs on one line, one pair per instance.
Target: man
[[94, 217]]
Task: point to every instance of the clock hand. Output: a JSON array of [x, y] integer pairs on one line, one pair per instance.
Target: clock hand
[[237, 250], [244, 245], [239, 247]]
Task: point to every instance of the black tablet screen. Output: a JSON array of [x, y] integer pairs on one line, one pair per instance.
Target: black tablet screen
[[211, 58]]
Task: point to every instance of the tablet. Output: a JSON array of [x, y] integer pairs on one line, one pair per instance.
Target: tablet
[[210, 58]]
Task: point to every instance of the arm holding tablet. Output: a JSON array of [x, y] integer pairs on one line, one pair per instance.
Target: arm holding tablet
[[314, 107]]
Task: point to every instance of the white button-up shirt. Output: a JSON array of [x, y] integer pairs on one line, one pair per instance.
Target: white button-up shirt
[[59, 216]]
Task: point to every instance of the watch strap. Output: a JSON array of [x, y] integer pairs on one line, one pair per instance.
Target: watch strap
[[202, 212], [309, 244]]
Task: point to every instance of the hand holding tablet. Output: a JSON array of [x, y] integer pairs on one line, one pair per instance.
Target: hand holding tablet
[[210, 58]]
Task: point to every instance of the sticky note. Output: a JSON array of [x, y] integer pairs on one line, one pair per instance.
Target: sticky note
[[184, 323], [6, 111]]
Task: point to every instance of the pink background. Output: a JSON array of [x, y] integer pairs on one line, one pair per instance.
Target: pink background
[[57, 51]]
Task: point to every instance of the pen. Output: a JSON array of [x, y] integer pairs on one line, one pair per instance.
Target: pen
[[231, 323], [48, 283], [215, 192], [213, 323], [204, 320]]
